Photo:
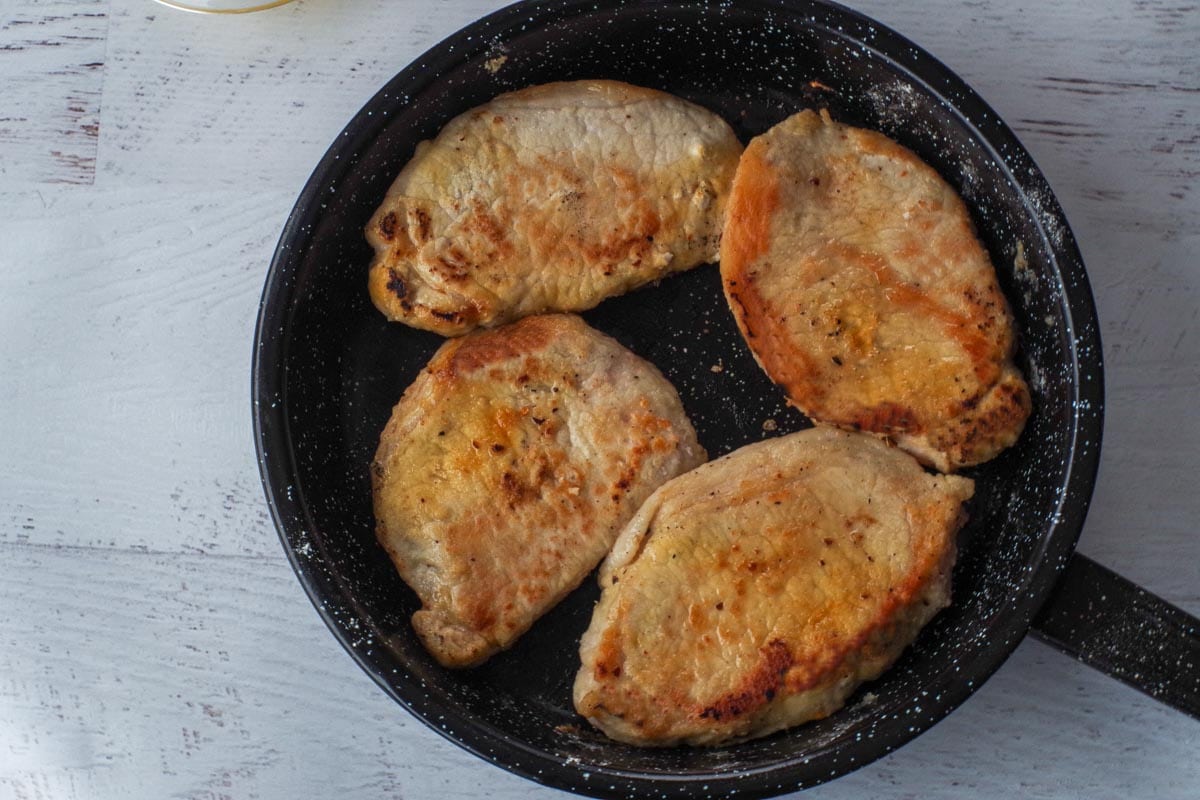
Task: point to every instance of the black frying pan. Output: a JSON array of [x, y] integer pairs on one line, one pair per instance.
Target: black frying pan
[[328, 368]]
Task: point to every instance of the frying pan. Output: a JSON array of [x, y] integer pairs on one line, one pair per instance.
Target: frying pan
[[328, 368]]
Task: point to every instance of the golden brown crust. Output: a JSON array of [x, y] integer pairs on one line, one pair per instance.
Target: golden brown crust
[[550, 198], [507, 469], [757, 591], [855, 275]]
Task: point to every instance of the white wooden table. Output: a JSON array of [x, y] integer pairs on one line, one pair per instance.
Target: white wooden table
[[153, 640]]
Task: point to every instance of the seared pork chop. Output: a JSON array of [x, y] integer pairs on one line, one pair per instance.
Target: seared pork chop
[[855, 276], [758, 590], [508, 468], [551, 198]]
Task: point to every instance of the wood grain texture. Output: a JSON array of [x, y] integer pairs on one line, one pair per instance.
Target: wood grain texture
[[51, 73], [176, 675], [251, 99], [154, 641], [130, 320]]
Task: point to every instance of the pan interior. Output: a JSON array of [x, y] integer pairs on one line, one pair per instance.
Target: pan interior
[[330, 368]]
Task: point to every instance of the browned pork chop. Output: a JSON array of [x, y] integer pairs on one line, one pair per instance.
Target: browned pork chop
[[551, 198], [854, 274], [508, 468], [758, 590]]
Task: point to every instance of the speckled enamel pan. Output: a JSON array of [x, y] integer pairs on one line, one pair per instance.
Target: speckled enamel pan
[[328, 368]]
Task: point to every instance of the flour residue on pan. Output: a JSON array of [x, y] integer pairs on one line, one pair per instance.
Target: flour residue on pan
[[896, 104], [1028, 278], [1029, 283], [1039, 195]]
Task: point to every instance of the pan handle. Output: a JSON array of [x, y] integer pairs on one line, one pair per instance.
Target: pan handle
[[1124, 631]]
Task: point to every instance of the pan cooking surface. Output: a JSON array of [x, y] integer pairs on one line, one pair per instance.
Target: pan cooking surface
[[329, 368]]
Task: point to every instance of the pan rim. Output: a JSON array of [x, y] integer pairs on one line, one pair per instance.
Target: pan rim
[[276, 460]]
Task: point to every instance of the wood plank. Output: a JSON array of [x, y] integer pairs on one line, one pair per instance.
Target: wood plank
[[1042, 727], [52, 63], [251, 99], [194, 676], [187, 675], [154, 641], [1143, 518], [129, 315], [158, 361]]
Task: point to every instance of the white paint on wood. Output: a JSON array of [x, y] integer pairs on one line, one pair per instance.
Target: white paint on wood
[[154, 642], [129, 319], [185, 675], [51, 71], [168, 675], [252, 100]]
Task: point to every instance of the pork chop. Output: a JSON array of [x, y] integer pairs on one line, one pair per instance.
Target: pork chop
[[757, 591], [550, 198], [508, 468], [856, 278]]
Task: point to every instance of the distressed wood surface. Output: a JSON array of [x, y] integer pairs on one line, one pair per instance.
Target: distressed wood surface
[[51, 73], [154, 642]]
